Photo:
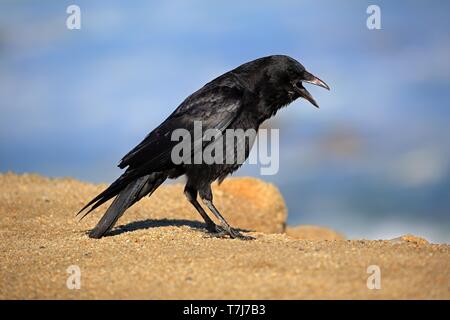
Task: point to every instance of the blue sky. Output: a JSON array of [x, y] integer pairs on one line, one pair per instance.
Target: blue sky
[[372, 162]]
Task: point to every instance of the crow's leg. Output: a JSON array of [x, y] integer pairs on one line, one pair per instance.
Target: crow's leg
[[206, 196], [191, 195]]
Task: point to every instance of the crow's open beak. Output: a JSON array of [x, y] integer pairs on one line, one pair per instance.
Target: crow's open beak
[[309, 78]]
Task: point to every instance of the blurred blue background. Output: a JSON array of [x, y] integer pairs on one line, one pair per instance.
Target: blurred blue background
[[373, 162]]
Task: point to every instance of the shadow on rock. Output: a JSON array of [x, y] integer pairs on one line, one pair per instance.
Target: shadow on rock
[[156, 223]]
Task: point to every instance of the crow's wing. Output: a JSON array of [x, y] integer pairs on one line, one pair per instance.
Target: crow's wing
[[215, 106]]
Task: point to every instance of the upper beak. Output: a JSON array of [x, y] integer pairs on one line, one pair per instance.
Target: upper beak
[[309, 78]]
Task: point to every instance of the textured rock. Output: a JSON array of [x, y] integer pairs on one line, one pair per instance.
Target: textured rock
[[410, 239], [252, 204], [313, 233], [161, 253], [246, 203]]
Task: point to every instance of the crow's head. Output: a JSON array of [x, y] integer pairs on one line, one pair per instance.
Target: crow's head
[[284, 78]]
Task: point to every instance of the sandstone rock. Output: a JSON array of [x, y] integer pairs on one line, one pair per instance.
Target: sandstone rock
[[307, 232], [409, 238], [246, 203], [159, 253]]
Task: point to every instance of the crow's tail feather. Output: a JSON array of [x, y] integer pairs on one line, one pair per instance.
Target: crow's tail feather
[[113, 190], [127, 193]]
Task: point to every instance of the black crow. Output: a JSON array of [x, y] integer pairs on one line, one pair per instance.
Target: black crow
[[240, 99]]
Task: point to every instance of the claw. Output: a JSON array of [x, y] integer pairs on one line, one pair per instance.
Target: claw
[[240, 236], [221, 232]]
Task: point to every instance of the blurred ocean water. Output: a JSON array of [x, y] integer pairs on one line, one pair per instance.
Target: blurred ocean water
[[373, 162]]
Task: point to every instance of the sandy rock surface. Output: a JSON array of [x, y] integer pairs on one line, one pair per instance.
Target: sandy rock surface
[[306, 232], [160, 251]]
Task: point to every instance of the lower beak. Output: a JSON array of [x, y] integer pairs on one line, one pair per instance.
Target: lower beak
[[306, 95], [309, 78]]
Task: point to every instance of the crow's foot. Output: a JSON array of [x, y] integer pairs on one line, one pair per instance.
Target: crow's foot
[[221, 232]]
